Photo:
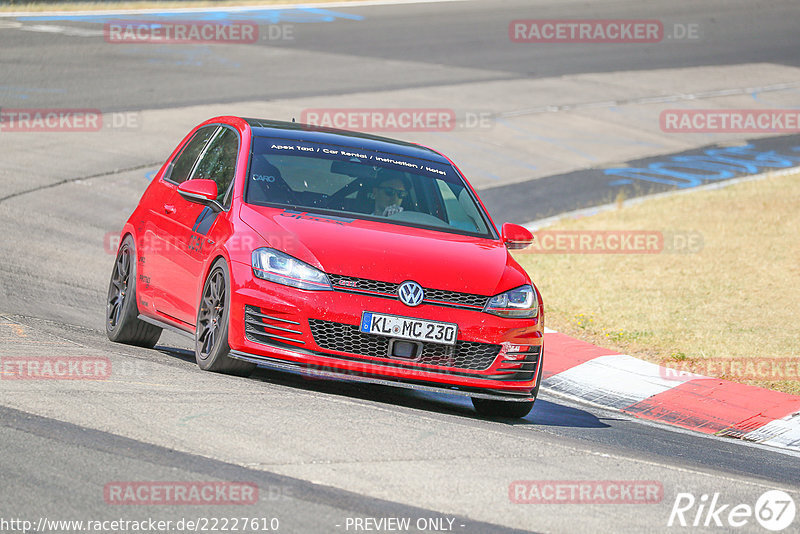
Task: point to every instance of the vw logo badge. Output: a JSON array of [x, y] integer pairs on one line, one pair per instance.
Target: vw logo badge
[[411, 293]]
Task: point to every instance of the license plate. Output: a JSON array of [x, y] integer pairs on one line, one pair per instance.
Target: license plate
[[408, 328]]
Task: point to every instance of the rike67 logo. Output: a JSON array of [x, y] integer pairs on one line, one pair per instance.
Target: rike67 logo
[[775, 511]]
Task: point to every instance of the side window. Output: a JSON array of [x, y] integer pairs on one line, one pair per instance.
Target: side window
[[183, 164], [218, 161]]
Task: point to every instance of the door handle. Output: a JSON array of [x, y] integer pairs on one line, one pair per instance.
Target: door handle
[[169, 208]]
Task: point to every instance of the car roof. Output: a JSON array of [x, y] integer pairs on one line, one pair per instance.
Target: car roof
[[296, 131]]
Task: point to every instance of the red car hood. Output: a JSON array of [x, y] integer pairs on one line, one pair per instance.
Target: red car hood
[[388, 252]]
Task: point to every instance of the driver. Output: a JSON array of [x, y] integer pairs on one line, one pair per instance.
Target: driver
[[389, 192]]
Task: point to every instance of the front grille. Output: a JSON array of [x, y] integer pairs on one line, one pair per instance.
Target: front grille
[[466, 299], [350, 282], [388, 289], [347, 338]]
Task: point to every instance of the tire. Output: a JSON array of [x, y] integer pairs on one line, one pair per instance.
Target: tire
[[212, 351], [509, 409], [122, 313]]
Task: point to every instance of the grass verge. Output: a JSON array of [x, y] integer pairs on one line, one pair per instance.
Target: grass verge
[[729, 308]]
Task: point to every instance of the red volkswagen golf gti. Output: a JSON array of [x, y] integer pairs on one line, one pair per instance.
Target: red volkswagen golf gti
[[334, 253]]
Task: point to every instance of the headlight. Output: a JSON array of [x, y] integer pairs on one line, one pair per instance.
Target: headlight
[[517, 303], [281, 268]]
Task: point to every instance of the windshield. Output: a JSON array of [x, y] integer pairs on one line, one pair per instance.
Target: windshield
[[363, 184]]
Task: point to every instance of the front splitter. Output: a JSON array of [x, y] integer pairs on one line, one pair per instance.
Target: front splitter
[[283, 365]]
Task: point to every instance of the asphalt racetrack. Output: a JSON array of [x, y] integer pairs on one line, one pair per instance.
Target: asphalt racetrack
[[539, 126]]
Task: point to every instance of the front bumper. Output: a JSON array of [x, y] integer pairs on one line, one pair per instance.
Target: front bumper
[[316, 333], [339, 374]]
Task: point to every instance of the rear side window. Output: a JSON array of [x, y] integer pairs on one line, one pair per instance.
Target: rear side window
[[183, 164]]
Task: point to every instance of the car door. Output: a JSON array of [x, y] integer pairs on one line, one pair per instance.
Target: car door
[[195, 226], [163, 243]]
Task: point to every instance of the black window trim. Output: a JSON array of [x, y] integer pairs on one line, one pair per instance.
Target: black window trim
[[168, 175], [217, 133], [227, 199]]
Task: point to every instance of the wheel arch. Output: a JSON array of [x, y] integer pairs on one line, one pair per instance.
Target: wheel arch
[[129, 231]]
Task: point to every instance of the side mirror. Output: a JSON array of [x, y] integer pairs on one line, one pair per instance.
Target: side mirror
[[201, 192], [516, 237]]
